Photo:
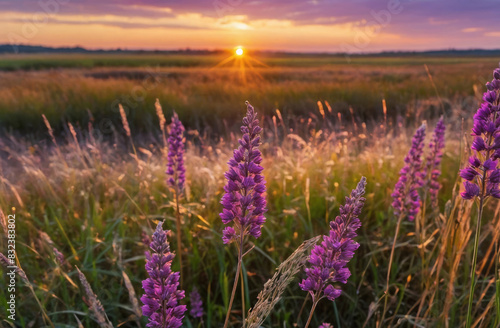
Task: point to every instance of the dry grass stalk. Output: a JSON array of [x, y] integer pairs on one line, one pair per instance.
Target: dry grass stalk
[[328, 106], [123, 115], [52, 137], [77, 144], [490, 253], [80, 325], [117, 250], [49, 128], [4, 261], [384, 107], [455, 236], [161, 117], [94, 303], [163, 122], [73, 132], [132, 296], [3, 221], [321, 109], [278, 113], [46, 238], [274, 287], [14, 191], [275, 125]]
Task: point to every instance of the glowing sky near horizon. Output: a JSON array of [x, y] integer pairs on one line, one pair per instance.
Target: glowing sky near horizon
[[288, 25]]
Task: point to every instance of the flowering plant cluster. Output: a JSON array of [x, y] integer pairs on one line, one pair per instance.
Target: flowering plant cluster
[[433, 160], [196, 304], [244, 203], [244, 206], [175, 162], [329, 259], [482, 175], [406, 200], [162, 297]]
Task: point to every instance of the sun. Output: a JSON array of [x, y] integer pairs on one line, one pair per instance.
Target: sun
[[242, 62]]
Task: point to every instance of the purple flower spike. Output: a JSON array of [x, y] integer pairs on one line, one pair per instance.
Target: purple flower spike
[[59, 256], [329, 259], [161, 298], [325, 325], [196, 304], [433, 161], [175, 163], [244, 201], [482, 175], [406, 200], [482, 168]]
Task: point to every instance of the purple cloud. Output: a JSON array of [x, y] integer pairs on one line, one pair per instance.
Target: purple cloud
[[458, 23]]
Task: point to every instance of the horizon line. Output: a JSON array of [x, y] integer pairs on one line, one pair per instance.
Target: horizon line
[[79, 48]]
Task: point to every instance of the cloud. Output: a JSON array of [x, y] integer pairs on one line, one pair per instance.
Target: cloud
[[445, 23], [299, 11], [472, 29]]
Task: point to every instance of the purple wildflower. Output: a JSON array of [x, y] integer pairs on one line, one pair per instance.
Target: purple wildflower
[[406, 199], [329, 259], [196, 304], [482, 175], [161, 298], [325, 325], [59, 256], [433, 161], [175, 164], [243, 201]]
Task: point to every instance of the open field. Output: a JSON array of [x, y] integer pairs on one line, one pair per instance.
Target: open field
[[206, 97], [93, 192]]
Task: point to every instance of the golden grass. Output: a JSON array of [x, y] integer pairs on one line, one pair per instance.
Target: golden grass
[[94, 198]]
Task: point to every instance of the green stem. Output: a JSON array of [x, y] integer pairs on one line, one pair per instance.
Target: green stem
[[497, 276], [478, 228], [235, 284], [390, 266], [178, 226], [474, 256], [302, 308], [242, 298], [422, 233], [312, 312]]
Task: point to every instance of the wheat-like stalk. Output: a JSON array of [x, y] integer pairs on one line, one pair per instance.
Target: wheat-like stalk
[[94, 303], [274, 287], [49, 128], [161, 117], [123, 115], [3, 221], [321, 109], [163, 121], [132, 295]]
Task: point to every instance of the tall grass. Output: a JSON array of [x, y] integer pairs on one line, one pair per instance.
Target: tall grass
[[93, 198], [205, 98]]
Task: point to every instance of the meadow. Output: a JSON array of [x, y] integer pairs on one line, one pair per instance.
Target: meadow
[[70, 86], [81, 184]]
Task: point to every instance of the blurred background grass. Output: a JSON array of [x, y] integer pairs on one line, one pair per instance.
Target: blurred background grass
[[68, 87]]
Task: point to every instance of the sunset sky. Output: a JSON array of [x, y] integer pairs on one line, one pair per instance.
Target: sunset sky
[[289, 25]]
